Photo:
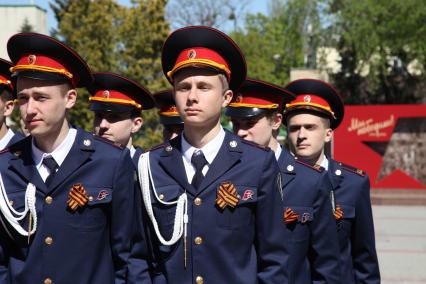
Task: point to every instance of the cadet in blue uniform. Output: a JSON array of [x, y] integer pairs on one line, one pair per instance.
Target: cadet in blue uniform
[[169, 117], [7, 136], [213, 198], [117, 103], [310, 235], [311, 119], [67, 197]]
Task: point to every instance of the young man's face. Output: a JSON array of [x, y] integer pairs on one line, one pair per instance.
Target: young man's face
[[116, 126], [43, 105], [257, 129], [307, 135], [200, 97]]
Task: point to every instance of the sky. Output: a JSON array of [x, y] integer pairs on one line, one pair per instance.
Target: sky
[[253, 7]]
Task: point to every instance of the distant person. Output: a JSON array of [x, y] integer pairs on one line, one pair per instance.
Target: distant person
[[7, 97], [118, 103], [311, 118], [169, 117]]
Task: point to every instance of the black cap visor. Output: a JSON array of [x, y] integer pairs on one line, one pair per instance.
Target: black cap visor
[[246, 112], [170, 120], [111, 107], [40, 75]]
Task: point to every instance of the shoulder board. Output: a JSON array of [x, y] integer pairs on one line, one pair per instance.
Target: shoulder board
[[117, 145], [352, 169], [267, 149], [316, 167], [162, 145]]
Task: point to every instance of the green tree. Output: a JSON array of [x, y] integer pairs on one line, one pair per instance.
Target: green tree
[[115, 38], [276, 43], [383, 50], [88, 27], [142, 34]]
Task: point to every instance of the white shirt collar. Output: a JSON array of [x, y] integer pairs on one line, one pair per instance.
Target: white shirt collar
[[59, 154], [278, 152], [6, 139], [324, 163], [210, 150], [132, 151]]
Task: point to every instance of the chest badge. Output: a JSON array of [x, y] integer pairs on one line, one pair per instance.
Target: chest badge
[[102, 195], [248, 194]]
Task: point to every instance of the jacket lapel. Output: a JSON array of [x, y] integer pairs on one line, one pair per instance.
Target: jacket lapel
[[80, 152], [335, 173], [136, 156], [15, 138], [171, 161], [22, 163], [229, 154], [287, 167]]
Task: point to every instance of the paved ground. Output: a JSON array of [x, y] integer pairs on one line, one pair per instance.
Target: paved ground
[[401, 243]]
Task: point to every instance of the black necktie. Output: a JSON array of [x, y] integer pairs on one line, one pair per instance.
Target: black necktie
[[199, 161], [51, 164]]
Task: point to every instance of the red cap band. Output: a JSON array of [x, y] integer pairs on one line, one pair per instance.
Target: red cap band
[[310, 100], [200, 56], [112, 96], [44, 64], [169, 110], [257, 100], [6, 81]]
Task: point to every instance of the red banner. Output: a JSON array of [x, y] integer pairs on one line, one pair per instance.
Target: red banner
[[387, 141]]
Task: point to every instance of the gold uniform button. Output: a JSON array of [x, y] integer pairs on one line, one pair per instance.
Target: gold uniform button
[[198, 240], [48, 241], [90, 198], [11, 202], [48, 199], [198, 201], [199, 280], [48, 281], [161, 196]]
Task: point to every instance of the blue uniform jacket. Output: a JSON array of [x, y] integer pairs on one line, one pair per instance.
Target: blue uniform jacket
[[312, 238], [16, 137], [88, 246], [139, 151], [139, 268], [358, 258], [240, 245]]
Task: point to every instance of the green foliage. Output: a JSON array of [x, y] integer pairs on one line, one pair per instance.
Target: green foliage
[[378, 40], [274, 44], [143, 32], [119, 39], [89, 27]]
